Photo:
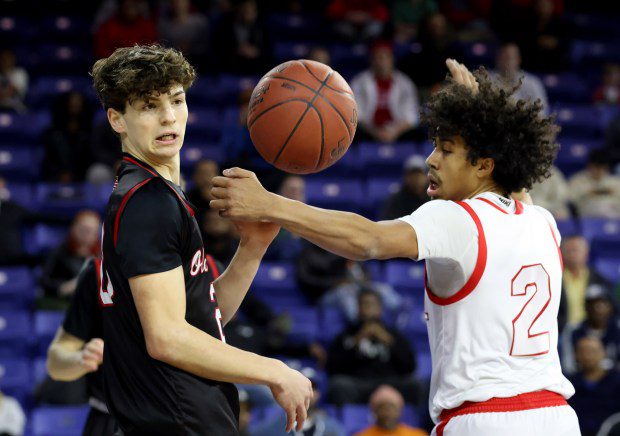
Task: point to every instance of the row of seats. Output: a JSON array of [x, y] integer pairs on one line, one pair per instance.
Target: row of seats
[[69, 420]]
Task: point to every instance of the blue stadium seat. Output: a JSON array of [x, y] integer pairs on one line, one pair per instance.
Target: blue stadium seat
[[204, 92], [46, 88], [191, 153], [609, 267], [63, 28], [22, 194], [341, 194], [25, 129], [65, 200], [17, 288], [354, 56], [59, 420], [39, 369], [46, 322], [18, 163], [203, 125], [567, 227], [566, 87], [424, 365], [378, 190], [385, 160], [230, 86], [295, 27], [43, 238], [579, 120], [64, 58], [305, 328], [476, 53], [348, 166], [16, 29], [406, 276], [274, 276], [15, 333], [332, 322], [604, 235], [287, 50], [592, 54], [573, 153], [15, 376]]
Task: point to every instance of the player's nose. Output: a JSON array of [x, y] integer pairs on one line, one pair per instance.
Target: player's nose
[[167, 115], [431, 160]]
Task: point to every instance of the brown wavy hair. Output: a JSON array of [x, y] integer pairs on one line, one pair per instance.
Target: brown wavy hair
[[133, 73], [515, 134]]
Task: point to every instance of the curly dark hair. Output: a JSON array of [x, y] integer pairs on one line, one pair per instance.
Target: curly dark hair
[[515, 134], [135, 72]]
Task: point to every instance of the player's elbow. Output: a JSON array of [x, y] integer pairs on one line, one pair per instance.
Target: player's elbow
[[159, 344]]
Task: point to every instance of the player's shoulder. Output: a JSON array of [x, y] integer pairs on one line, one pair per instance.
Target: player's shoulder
[[442, 206], [153, 196]]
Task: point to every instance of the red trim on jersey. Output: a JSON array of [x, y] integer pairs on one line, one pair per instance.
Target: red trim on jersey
[[126, 198], [527, 401], [213, 266], [557, 245], [518, 206], [476, 275], [98, 272], [185, 203]]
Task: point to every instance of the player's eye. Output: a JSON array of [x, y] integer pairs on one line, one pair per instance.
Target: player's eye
[[148, 106], [178, 101]]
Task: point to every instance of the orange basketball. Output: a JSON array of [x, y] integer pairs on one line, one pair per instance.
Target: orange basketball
[[302, 116]]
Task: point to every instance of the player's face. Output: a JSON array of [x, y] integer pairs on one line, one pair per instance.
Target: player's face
[[451, 175], [153, 128]]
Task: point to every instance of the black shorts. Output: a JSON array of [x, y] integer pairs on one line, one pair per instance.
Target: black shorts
[[99, 424]]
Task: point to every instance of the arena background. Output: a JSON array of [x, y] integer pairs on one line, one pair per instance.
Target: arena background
[[57, 156]]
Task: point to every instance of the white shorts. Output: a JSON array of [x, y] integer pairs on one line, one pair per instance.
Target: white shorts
[[545, 421]]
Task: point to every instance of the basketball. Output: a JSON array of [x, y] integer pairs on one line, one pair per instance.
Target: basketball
[[302, 116]]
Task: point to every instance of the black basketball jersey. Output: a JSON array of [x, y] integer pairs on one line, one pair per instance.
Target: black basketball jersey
[[83, 320], [150, 227]]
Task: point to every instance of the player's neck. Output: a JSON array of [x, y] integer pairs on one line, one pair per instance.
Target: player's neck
[[169, 170], [487, 187]]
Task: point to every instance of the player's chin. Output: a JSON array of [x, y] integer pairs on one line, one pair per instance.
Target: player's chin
[[168, 149]]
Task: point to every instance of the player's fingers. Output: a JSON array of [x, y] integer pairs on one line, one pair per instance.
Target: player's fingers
[[218, 204], [89, 364], [95, 345], [219, 192], [302, 414], [224, 213], [290, 419], [91, 356], [220, 181], [238, 172]]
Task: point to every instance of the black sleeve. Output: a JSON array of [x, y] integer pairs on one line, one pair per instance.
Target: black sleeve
[[50, 277], [149, 235], [83, 318]]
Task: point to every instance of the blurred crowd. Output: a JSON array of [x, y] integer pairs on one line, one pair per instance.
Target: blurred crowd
[[371, 358]]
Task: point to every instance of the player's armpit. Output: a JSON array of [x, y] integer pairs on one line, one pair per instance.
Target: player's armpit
[[394, 238]]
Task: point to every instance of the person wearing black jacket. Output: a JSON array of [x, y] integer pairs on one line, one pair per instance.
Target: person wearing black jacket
[[368, 354]]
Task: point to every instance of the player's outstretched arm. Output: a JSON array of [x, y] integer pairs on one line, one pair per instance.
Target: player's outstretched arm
[[69, 357], [160, 301], [233, 284], [240, 196]]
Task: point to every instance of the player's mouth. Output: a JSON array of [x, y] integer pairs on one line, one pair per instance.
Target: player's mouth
[[167, 138], [433, 185]]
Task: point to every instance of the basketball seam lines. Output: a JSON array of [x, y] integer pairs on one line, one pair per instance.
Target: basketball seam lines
[[322, 96], [309, 105], [273, 107], [319, 80], [322, 137]]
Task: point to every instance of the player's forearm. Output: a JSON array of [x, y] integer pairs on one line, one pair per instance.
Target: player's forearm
[[343, 233], [192, 350], [233, 284], [63, 364]]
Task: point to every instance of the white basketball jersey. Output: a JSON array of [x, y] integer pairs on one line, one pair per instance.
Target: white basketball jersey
[[497, 336]]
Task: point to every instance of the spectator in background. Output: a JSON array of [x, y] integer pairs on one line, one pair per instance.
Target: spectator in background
[[508, 73], [125, 28], [219, 235], [412, 193], [185, 29], [553, 194], [345, 296], [368, 354], [59, 276], [609, 91], [469, 17], [542, 37], [106, 153], [200, 194], [601, 322], [387, 405], [358, 20], [317, 271], [320, 54], [287, 246], [577, 276], [408, 15], [67, 141], [13, 217], [318, 422], [13, 83], [612, 143], [242, 45], [595, 191], [12, 416], [596, 387], [427, 68], [387, 100]]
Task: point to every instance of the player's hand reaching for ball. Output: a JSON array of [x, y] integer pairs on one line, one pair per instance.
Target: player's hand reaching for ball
[[460, 74], [240, 196], [293, 392], [91, 355]]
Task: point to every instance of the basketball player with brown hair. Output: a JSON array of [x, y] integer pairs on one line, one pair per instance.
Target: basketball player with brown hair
[[493, 266], [167, 367]]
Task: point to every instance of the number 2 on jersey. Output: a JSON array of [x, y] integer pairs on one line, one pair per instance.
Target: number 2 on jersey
[[532, 284]]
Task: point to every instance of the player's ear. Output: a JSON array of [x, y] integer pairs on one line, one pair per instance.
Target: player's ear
[[116, 120], [485, 167]]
